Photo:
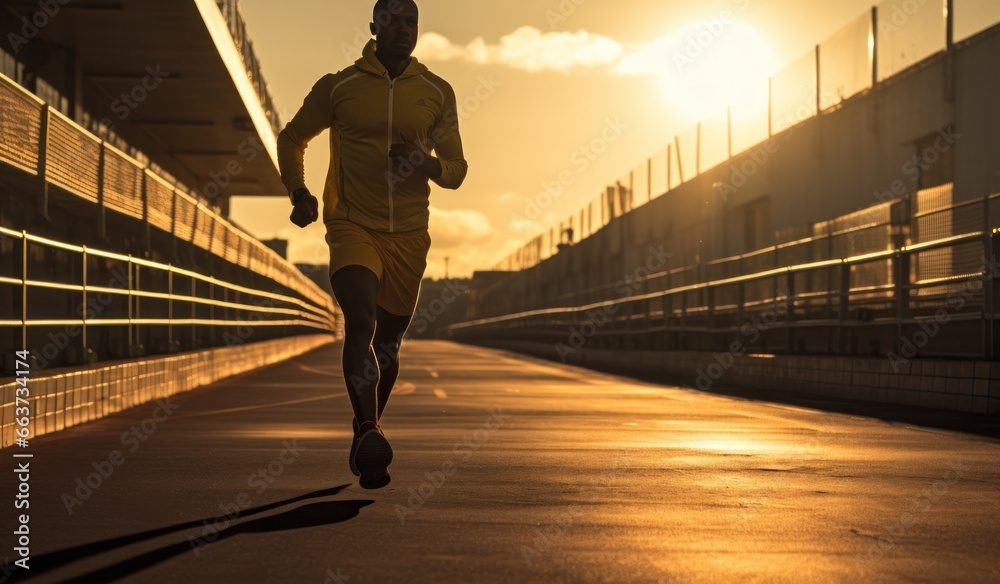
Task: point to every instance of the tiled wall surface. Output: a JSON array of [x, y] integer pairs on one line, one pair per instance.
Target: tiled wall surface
[[965, 386], [62, 399]]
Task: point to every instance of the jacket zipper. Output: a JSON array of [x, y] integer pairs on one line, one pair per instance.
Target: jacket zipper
[[392, 85]]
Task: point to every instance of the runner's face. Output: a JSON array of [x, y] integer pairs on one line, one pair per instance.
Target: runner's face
[[396, 27]]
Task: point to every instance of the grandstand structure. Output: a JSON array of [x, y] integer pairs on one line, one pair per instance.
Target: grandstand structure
[[125, 128]]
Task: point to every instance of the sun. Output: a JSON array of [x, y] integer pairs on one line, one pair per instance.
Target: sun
[[706, 66]]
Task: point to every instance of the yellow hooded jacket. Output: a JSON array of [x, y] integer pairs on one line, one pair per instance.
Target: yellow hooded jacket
[[367, 112]]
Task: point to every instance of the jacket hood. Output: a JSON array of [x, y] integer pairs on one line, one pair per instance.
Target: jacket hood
[[370, 63]]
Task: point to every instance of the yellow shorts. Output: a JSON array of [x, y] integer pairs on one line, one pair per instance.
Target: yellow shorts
[[397, 259]]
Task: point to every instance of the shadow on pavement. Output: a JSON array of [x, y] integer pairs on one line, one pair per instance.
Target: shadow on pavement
[[311, 515]]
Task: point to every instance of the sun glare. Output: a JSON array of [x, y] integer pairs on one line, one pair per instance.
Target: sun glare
[[712, 64]]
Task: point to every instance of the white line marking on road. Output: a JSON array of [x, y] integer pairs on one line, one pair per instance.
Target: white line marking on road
[[309, 369], [260, 407], [440, 393]]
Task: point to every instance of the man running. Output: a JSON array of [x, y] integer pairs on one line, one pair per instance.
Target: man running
[[386, 114]]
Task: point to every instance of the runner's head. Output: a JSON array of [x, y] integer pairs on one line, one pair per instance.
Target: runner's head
[[394, 24]]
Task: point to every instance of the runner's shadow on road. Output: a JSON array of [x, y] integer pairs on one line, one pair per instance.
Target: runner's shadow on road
[[311, 515], [324, 513]]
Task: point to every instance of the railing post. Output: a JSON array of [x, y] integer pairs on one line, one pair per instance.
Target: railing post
[[102, 227], [194, 314], [24, 290], [170, 308], [684, 313], [137, 287], [949, 69], [741, 301], [131, 284], [790, 314], [994, 295], [845, 303], [901, 265], [43, 162], [211, 311], [83, 274], [710, 324], [146, 243]]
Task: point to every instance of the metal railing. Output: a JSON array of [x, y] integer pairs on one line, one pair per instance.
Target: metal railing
[[42, 142], [147, 300], [862, 304], [893, 38]]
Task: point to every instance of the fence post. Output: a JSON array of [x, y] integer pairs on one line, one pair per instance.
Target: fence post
[[729, 132], [680, 162], [670, 165], [649, 180], [819, 83], [875, 47], [770, 107], [697, 154]]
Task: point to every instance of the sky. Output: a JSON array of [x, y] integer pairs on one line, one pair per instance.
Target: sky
[[576, 92]]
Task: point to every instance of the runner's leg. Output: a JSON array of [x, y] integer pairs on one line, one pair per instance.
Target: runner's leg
[[389, 330], [356, 288]]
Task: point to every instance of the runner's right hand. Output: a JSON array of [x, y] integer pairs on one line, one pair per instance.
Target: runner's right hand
[[306, 209]]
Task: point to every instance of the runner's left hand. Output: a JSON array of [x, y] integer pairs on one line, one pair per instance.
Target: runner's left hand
[[408, 157]]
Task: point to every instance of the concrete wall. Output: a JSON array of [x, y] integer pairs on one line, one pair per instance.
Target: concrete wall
[[62, 399]]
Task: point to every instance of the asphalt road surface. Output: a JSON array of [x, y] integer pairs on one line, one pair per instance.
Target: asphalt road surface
[[509, 469]]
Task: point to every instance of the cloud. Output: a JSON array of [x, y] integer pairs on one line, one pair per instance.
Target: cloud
[[452, 228], [649, 58], [528, 49], [468, 239]]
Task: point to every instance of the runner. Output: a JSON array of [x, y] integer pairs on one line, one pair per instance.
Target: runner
[[386, 113]]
